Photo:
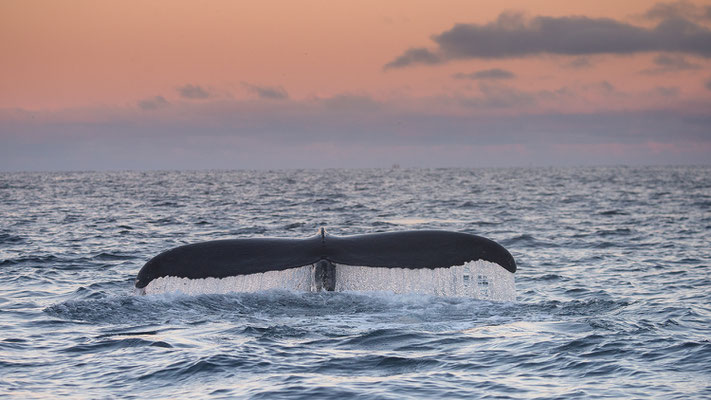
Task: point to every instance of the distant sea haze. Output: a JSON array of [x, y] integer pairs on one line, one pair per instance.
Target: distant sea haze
[[612, 286]]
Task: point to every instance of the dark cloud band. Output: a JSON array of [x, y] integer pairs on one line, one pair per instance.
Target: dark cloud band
[[513, 35], [487, 74], [193, 92], [267, 92], [153, 103]]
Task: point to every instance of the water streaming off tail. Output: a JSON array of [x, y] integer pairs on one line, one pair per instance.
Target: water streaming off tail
[[290, 279], [476, 279]]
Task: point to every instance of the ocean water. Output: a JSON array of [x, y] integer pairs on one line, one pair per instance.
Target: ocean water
[[613, 291]]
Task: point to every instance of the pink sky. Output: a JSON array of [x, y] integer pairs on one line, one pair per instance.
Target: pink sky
[[278, 84]]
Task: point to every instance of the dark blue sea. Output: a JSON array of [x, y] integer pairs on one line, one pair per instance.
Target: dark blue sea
[[613, 286]]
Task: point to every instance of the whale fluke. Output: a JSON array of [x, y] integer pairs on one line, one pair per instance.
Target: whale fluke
[[408, 249]]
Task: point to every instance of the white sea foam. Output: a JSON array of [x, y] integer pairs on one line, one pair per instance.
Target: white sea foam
[[476, 279]]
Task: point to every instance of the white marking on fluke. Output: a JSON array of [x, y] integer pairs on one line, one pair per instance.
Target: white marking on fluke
[[475, 279]]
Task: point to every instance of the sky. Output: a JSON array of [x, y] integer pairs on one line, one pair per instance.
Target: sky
[[272, 84]]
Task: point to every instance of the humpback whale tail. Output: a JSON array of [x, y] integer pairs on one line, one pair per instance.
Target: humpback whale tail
[[436, 262]]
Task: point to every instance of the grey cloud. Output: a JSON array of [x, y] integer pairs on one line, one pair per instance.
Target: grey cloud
[[606, 87], [349, 102], [665, 91], [267, 92], [670, 63], [153, 103], [502, 96], [678, 9], [193, 92], [675, 62], [556, 94], [708, 84], [513, 35], [571, 36], [499, 96], [579, 62], [414, 56], [487, 74]]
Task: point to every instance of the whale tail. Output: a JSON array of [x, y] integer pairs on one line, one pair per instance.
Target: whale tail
[[328, 263]]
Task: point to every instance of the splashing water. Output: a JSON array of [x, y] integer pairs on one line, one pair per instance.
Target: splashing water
[[476, 279], [480, 279]]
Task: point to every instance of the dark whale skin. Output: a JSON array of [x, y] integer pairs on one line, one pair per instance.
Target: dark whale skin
[[407, 249]]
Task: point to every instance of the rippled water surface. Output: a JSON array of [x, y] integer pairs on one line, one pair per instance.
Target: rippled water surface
[[614, 291]]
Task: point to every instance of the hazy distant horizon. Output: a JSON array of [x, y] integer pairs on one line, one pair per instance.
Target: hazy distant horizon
[[394, 166]]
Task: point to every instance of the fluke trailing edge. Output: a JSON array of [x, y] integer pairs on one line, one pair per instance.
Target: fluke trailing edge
[[409, 249]]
